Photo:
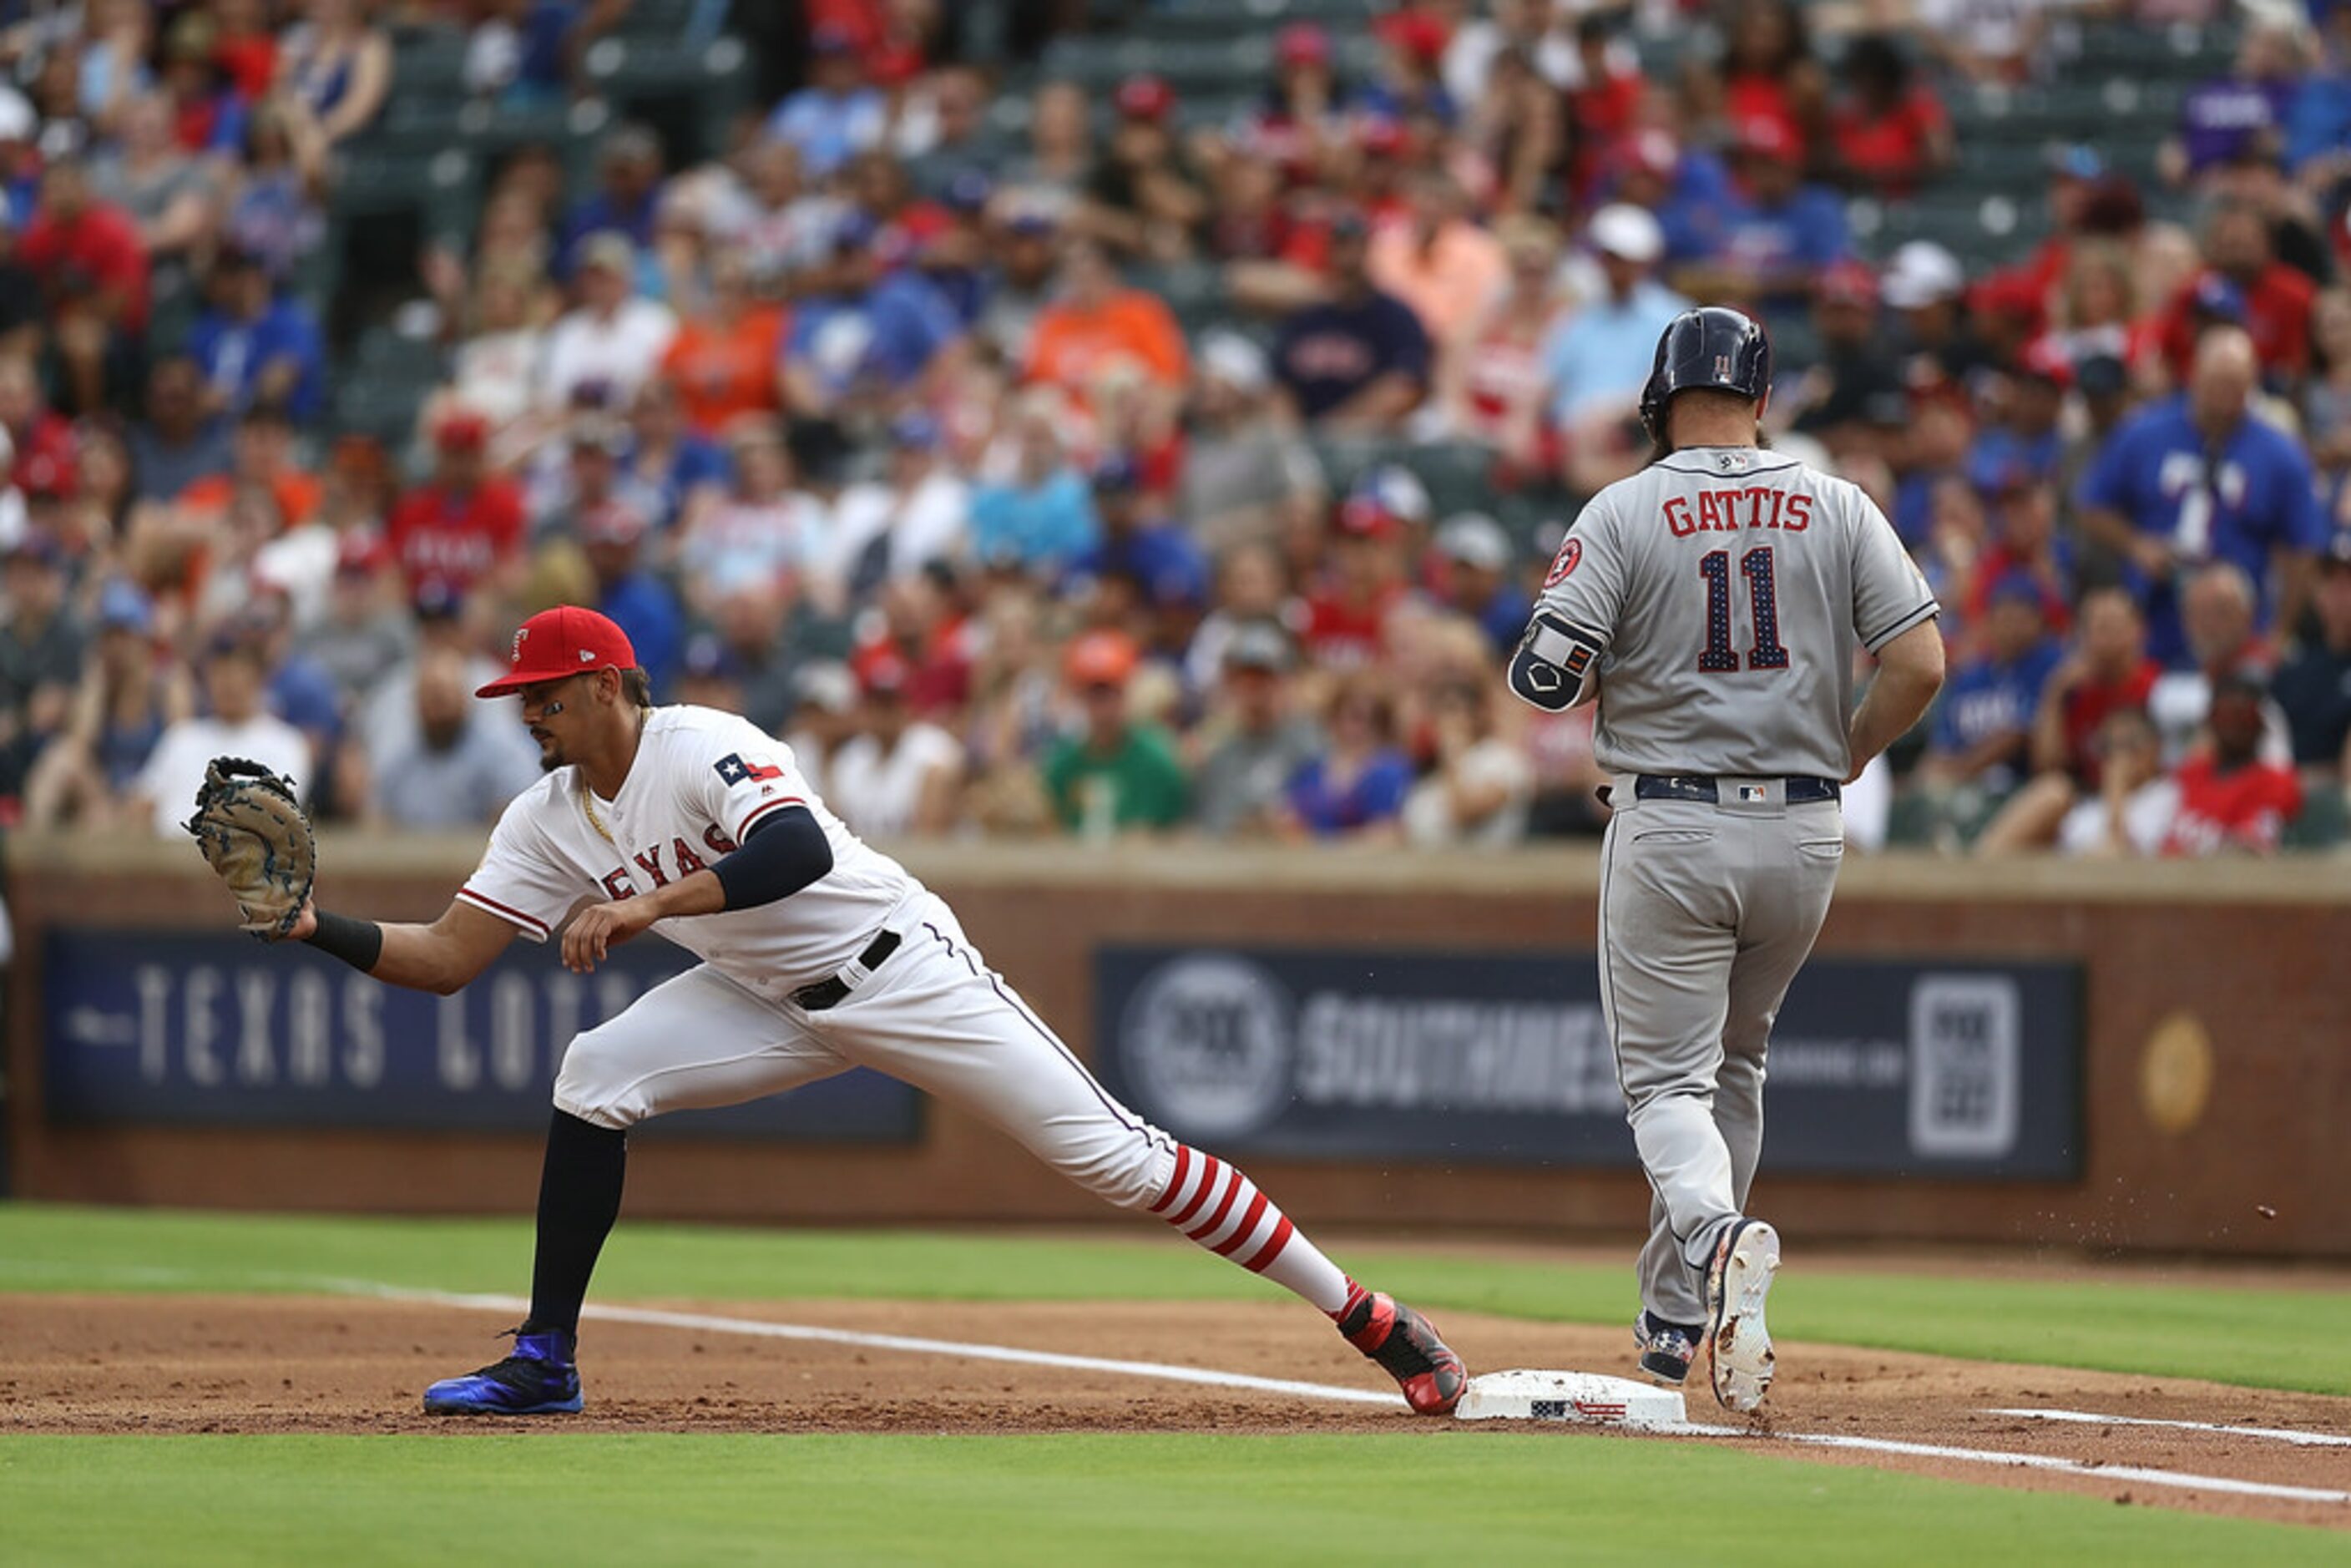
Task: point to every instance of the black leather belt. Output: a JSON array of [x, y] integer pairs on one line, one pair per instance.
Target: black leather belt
[[832, 990], [1700, 787]]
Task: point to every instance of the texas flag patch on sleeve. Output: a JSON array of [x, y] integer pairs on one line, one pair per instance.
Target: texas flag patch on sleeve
[[735, 770]]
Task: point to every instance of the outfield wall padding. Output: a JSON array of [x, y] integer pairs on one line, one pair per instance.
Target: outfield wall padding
[[2218, 1078]]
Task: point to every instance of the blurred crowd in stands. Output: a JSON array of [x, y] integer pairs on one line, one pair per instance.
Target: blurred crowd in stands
[[1039, 454]]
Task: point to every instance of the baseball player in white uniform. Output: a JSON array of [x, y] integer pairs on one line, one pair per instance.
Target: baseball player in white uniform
[[818, 954], [1710, 604]]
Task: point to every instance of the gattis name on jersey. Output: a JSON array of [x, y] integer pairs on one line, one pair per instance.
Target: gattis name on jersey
[[1729, 511]]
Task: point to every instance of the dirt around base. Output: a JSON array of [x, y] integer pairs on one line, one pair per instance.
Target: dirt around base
[[216, 1363]]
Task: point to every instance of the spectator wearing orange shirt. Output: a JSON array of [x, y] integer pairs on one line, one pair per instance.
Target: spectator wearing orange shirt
[[1096, 326], [261, 455], [724, 360], [1436, 261]]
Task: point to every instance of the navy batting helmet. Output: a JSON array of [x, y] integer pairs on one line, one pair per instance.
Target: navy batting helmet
[[1714, 347]]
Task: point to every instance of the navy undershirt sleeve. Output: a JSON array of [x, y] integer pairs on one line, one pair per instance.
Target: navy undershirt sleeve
[[784, 852]]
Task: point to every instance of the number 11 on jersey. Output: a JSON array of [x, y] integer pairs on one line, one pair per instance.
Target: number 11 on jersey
[[1763, 601]]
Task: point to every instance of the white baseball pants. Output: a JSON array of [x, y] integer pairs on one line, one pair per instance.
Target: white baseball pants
[[933, 1015]]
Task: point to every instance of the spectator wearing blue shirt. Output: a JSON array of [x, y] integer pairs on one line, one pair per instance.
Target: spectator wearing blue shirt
[[628, 193], [1360, 360], [1778, 232], [1164, 561], [2318, 123], [869, 334], [666, 459], [1983, 729], [611, 536], [1357, 788], [1041, 520], [1687, 189], [253, 347], [2198, 477], [2028, 436], [839, 114], [1474, 558], [1596, 360]]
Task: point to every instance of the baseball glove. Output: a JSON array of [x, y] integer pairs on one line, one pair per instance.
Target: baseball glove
[[254, 835]]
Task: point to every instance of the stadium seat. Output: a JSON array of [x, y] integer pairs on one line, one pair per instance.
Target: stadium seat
[[428, 64], [2325, 823]]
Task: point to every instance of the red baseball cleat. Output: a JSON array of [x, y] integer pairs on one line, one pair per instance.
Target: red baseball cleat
[[1405, 1344]]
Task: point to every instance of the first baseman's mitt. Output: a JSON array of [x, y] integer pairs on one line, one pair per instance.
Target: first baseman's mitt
[[254, 835]]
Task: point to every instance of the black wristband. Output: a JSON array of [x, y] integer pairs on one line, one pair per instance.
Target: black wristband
[[358, 943]]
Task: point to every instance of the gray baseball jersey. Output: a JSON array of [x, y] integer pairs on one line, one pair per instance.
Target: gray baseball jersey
[[1715, 599], [1724, 587]]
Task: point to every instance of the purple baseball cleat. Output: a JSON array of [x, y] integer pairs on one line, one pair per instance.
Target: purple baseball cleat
[[537, 1379]]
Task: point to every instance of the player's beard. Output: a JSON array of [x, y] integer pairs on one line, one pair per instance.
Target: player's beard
[[550, 754]]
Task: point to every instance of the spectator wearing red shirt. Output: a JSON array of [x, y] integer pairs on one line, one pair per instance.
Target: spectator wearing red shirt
[[42, 440], [1604, 104], [93, 277], [2025, 543], [464, 524], [1347, 613], [2104, 675], [1769, 72], [2231, 800], [924, 630], [82, 249], [1887, 130], [2107, 670], [2276, 300]]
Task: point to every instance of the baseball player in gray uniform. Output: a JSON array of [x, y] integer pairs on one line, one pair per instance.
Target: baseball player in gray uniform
[[1710, 604]]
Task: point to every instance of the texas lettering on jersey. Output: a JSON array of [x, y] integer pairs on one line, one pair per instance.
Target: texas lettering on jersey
[[701, 781]]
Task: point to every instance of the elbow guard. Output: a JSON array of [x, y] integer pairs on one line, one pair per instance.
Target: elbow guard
[[1554, 665]]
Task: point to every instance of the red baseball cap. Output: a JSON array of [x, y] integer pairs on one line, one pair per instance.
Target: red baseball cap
[[1848, 283], [1303, 43], [564, 641], [1144, 97]]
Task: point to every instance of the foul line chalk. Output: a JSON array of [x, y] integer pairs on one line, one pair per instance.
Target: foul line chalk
[[761, 1329], [2274, 1434]]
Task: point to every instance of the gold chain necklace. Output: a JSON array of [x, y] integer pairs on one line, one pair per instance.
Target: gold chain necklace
[[588, 804], [588, 796]]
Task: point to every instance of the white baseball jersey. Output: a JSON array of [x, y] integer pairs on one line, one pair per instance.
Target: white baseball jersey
[[700, 782], [1726, 586]]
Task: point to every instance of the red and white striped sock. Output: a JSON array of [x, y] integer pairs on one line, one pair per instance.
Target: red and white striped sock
[[1214, 1204]]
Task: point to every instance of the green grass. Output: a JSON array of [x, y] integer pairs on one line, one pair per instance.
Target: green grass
[[1433, 1497], [2226, 1333]]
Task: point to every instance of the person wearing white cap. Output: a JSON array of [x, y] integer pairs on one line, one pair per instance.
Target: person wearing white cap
[[1926, 285], [1598, 358], [1247, 477]]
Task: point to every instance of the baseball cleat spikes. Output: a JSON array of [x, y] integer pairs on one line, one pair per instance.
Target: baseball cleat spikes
[[1406, 1345], [536, 1379], [1738, 1345], [1667, 1349]]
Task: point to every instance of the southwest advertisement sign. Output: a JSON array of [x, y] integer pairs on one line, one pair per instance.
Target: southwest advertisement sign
[[1877, 1067]]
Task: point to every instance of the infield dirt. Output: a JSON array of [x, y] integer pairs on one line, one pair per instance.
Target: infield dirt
[[276, 1364]]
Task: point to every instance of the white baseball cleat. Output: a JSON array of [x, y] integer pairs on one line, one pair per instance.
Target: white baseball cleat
[[1738, 1346]]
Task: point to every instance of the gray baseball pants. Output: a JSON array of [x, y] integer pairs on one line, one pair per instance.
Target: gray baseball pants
[[1707, 911]]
